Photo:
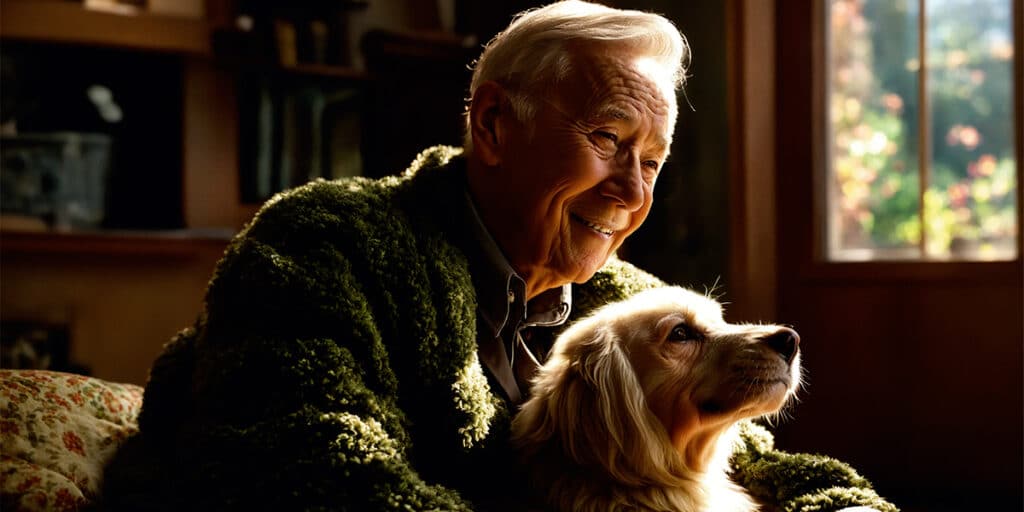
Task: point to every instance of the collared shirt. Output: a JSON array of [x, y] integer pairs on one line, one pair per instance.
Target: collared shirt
[[504, 316]]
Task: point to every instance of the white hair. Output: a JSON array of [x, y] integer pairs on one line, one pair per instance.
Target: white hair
[[533, 53]]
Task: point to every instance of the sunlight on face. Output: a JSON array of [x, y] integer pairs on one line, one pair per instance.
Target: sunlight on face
[[580, 179]]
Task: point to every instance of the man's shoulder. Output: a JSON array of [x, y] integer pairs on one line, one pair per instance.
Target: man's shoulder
[[357, 198], [435, 157], [617, 280], [325, 197]]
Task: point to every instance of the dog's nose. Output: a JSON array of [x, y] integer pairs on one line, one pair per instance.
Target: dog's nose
[[784, 341]]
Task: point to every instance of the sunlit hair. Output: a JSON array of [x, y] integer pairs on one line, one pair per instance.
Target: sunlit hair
[[533, 53]]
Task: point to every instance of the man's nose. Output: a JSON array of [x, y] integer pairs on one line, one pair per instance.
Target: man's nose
[[626, 186]]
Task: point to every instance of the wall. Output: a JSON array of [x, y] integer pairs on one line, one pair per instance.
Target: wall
[[918, 385]]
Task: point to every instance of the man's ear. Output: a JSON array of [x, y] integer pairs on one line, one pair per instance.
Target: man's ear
[[489, 104]]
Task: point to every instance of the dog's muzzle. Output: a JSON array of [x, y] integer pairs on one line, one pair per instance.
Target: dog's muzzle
[[785, 342]]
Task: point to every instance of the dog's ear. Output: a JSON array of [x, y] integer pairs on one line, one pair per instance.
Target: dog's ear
[[595, 405]]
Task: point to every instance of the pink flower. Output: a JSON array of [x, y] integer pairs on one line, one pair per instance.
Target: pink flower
[[986, 165], [958, 193], [892, 102], [970, 137], [953, 135]]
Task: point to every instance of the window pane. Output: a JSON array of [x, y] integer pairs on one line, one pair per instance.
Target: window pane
[[970, 204], [874, 189], [874, 145]]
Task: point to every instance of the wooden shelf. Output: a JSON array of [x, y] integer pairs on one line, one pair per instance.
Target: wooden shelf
[[315, 73], [241, 51], [178, 243], [321, 71], [61, 21]]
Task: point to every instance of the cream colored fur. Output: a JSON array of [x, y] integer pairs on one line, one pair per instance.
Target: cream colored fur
[[636, 406]]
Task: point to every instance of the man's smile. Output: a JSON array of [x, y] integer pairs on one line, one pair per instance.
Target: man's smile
[[595, 226]]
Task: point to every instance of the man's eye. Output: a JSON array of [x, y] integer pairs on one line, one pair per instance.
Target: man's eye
[[651, 164], [608, 136], [682, 332]]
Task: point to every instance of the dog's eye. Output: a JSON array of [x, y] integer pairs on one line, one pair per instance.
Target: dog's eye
[[681, 332]]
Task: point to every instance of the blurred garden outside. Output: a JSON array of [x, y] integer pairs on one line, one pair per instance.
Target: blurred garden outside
[[873, 107]]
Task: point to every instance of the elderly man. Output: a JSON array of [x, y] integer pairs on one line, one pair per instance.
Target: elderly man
[[365, 343]]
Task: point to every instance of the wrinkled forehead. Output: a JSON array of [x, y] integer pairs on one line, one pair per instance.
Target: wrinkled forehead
[[604, 83]]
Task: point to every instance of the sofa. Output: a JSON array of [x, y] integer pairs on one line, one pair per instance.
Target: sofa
[[57, 431]]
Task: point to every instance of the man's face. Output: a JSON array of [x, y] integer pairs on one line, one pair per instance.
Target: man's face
[[581, 179]]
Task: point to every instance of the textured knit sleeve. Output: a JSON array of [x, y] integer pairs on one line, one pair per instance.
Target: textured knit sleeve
[[790, 482], [284, 397], [799, 482]]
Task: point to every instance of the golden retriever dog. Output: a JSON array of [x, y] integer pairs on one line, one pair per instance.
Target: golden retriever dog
[[636, 406]]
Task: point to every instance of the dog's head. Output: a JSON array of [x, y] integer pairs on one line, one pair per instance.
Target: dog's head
[[647, 386]]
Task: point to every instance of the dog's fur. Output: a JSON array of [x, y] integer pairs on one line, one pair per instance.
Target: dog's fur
[[636, 406]]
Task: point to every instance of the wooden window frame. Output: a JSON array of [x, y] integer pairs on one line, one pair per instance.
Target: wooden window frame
[[800, 74], [753, 288]]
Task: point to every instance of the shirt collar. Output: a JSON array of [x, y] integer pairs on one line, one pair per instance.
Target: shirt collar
[[500, 291]]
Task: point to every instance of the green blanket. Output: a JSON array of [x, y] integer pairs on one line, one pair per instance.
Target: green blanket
[[335, 368]]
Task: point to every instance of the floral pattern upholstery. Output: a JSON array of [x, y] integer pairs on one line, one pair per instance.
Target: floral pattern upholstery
[[57, 430]]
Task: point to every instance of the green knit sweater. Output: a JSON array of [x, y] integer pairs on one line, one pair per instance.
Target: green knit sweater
[[335, 368]]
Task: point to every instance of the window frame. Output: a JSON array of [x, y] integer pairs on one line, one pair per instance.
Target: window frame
[[777, 157], [819, 267]]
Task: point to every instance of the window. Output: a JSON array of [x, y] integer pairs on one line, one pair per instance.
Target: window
[[921, 130]]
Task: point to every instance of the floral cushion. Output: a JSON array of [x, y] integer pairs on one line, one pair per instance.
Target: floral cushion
[[57, 430]]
